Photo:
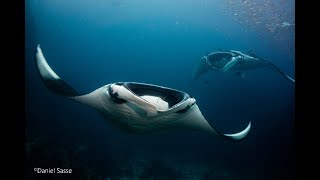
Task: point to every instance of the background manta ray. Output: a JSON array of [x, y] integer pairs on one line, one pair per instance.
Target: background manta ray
[[234, 61]]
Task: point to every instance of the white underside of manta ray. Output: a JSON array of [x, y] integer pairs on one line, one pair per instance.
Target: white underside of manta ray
[[234, 61], [137, 107]]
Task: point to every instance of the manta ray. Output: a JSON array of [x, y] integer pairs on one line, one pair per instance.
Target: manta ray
[[136, 107], [236, 62]]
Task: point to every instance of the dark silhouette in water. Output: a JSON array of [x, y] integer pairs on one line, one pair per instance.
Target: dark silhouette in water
[[236, 62]]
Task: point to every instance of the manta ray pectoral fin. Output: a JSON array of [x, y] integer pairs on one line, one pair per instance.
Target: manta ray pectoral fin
[[290, 79], [240, 135], [275, 68], [202, 67], [196, 120], [51, 80]]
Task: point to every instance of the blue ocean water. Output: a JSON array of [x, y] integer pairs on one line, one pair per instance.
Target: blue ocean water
[[90, 43]]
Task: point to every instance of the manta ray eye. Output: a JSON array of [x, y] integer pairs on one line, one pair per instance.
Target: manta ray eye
[[115, 96]]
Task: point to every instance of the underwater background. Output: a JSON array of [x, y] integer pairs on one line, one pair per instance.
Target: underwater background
[[91, 43]]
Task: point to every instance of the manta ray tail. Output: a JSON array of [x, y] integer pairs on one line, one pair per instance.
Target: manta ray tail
[[51, 79]]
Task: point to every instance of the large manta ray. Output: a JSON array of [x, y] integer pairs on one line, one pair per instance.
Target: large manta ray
[[137, 107], [234, 61]]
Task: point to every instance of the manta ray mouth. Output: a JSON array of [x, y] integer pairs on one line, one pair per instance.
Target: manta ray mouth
[[164, 98], [214, 60], [217, 60]]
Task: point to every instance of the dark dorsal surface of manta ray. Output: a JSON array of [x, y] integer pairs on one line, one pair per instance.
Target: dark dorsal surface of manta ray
[[137, 107], [234, 61]]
